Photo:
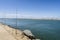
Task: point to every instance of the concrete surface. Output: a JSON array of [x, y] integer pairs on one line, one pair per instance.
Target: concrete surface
[[4, 35]]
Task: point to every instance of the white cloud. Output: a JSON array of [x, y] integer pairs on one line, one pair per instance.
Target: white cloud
[[24, 16], [7, 15], [15, 15]]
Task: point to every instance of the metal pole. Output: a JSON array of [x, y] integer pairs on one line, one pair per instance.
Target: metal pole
[[16, 21]]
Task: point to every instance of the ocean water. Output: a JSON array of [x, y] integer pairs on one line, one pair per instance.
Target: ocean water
[[43, 29]]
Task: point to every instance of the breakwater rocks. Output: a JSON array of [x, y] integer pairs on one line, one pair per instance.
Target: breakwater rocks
[[18, 34]]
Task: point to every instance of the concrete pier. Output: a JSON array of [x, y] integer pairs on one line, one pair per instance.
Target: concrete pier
[[8, 33], [4, 35]]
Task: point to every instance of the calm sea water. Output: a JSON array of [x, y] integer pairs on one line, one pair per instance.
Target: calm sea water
[[43, 29]]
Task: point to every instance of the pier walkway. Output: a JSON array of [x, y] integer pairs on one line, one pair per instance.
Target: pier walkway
[[4, 35], [8, 33]]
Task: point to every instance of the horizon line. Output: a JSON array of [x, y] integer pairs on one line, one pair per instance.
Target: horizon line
[[38, 18]]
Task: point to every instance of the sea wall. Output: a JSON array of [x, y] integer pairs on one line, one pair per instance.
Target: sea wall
[[18, 34]]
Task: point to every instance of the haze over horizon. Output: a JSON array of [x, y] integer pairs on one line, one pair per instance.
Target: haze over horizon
[[30, 8]]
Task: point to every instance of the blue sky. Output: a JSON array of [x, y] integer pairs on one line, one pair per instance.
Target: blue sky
[[30, 8]]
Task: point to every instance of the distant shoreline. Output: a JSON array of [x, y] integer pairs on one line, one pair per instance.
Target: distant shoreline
[[35, 18]]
